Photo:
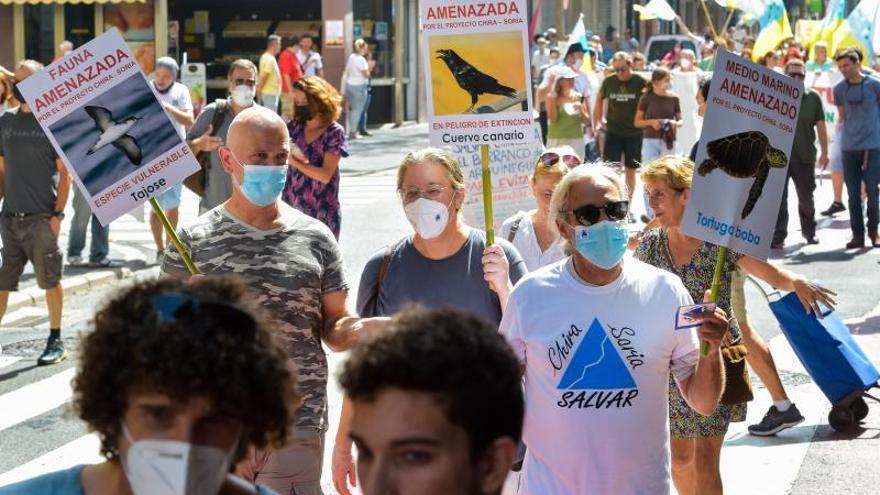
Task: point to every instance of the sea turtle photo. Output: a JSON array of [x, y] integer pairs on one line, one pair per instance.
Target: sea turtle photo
[[744, 155]]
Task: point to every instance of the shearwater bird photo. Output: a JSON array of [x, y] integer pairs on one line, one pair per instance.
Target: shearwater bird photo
[[115, 132]]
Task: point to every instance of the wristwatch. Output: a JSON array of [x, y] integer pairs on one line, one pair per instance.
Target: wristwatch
[[59, 214]]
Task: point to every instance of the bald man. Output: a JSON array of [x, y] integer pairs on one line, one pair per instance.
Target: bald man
[[293, 267]]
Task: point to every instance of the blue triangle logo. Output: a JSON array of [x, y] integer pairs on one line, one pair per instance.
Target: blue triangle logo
[[596, 364]]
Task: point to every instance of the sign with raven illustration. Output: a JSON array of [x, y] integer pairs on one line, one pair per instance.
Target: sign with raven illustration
[[108, 126], [742, 156], [477, 69]]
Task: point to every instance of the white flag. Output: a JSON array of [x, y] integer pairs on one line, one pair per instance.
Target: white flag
[[661, 9]]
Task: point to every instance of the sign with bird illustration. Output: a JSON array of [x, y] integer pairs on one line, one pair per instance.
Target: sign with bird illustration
[[742, 156], [108, 127], [477, 68]]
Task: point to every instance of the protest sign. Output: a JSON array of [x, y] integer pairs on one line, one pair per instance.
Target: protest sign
[[684, 84], [742, 157], [108, 127], [512, 164], [477, 71]]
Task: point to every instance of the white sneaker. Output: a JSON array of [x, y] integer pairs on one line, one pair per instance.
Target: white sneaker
[[75, 261]]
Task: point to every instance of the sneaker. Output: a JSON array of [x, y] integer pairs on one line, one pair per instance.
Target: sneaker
[[75, 261], [365, 133], [875, 239], [811, 239], [777, 245], [836, 207], [105, 263], [775, 421], [160, 256], [54, 352], [856, 243]]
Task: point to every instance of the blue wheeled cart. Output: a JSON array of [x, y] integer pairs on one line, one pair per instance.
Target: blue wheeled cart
[[832, 358]]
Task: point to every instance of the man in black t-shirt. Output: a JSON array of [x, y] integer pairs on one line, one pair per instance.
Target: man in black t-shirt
[[34, 189]]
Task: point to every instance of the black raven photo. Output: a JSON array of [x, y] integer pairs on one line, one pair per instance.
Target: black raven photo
[[472, 80]]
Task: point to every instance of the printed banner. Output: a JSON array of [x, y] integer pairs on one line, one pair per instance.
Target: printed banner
[[477, 64], [742, 158], [194, 77], [823, 83], [512, 165], [106, 124]]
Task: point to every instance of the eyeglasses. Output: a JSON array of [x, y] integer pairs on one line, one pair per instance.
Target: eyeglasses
[[245, 82], [588, 214], [432, 192], [174, 306], [861, 93], [550, 158], [796, 75]]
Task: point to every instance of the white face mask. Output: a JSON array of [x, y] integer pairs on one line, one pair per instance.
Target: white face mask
[[428, 217], [168, 467], [243, 95]]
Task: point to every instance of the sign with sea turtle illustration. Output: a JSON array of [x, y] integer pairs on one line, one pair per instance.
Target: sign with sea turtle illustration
[[742, 156], [477, 68], [108, 127]]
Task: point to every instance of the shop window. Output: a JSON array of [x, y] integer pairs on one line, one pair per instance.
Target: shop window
[[79, 23], [137, 23], [39, 32], [374, 22]]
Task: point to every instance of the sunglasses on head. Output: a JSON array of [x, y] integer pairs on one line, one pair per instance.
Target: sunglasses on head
[[588, 214], [175, 306], [551, 158]]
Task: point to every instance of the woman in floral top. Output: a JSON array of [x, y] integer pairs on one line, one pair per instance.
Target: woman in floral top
[[696, 440], [318, 143]]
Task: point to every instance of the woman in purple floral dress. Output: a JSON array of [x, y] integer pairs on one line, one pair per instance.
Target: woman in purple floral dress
[[318, 143]]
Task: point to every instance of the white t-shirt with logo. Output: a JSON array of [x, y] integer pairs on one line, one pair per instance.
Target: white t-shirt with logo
[[178, 97], [597, 361]]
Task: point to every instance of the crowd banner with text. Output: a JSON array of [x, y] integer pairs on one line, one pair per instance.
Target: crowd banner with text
[[477, 71], [108, 127], [743, 154]]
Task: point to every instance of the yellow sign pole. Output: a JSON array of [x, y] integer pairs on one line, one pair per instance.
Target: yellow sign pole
[[716, 285], [193, 269], [487, 195]]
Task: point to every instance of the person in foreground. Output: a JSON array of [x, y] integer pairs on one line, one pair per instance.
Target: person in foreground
[[595, 334], [206, 383], [437, 405]]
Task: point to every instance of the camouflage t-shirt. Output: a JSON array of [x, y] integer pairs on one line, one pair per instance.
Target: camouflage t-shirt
[[287, 270]]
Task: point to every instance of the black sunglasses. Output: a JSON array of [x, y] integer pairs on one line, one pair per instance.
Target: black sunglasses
[[175, 306], [550, 158], [796, 75], [588, 214]]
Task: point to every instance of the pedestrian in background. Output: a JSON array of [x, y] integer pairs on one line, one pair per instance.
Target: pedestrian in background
[[177, 102], [269, 82], [293, 266], [857, 98], [7, 99], [362, 123], [201, 381], [358, 74], [568, 115], [318, 145], [311, 62], [35, 189], [291, 72]]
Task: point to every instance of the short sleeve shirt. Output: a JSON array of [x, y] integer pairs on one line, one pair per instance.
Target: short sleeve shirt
[[454, 282], [812, 112], [623, 98], [287, 271], [178, 97], [305, 58], [269, 67], [526, 242], [308, 195], [288, 64], [861, 113], [218, 185], [31, 174], [655, 106]]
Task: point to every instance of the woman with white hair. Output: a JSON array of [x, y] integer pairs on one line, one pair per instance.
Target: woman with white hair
[[176, 100]]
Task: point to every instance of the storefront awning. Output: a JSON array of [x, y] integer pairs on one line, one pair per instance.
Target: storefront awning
[[49, 2]]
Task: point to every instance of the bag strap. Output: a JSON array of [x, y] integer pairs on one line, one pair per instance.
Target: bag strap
[[515, 227], [219, 116], [390, 251]]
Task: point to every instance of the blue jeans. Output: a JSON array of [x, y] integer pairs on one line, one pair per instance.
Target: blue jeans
[[357, 98], [100, 247], [858, 168], [362, 125]]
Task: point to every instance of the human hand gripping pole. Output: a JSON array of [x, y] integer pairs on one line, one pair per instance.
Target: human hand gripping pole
[[487, 198], [169, 230], [716, 284]]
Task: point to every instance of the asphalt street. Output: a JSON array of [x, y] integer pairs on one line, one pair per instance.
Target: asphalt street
[[38, 433]]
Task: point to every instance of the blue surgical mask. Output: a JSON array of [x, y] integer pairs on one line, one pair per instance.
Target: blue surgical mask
[[602, 244], [262, 184]]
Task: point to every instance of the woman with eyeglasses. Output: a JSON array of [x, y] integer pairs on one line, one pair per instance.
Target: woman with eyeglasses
[[697, 439], [318, 143], [202, 380], [530, 231], [567, 113], [444, 264]]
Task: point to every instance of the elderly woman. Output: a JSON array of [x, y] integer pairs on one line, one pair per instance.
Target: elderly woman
[[530, 232], [443, 264], [206, 382], [697, 439], [317, 145]]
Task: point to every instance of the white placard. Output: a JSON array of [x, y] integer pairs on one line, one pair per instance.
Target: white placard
[[477, 69], [108, 127], [742, 159]]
